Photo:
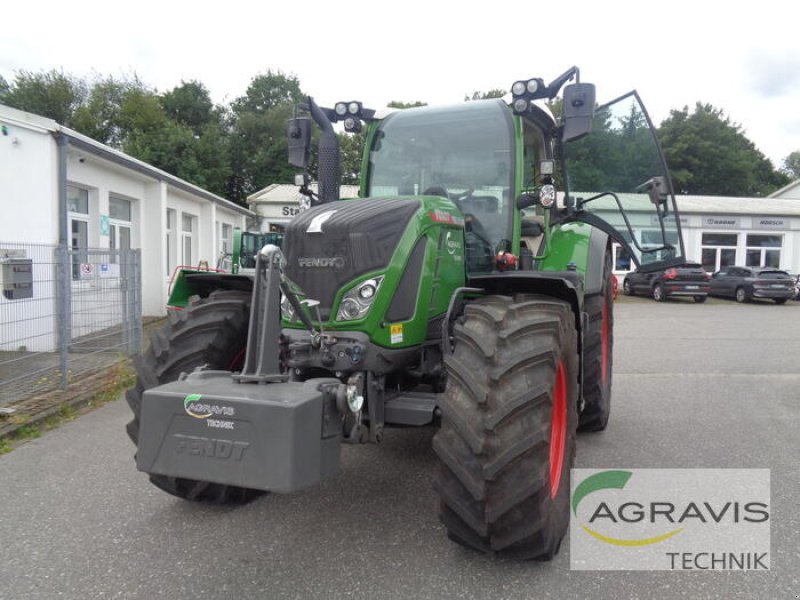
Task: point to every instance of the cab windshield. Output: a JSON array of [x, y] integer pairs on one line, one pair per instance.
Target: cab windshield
[[462, 152]]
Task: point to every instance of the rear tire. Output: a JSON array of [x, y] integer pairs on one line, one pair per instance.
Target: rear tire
[[213, 332], [700, 299], [509, 414], [780, 300], [658, 293], [598, 356]]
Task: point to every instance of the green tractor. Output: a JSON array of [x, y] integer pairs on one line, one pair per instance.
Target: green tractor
[[469, 287], [241, 260]]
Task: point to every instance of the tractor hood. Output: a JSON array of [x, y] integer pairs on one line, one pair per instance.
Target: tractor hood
[[328, 246]]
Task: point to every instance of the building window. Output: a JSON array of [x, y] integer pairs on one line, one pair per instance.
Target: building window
[[654, 238], [77, 200], [225, 238], [763, 250], [78, 208], [187, 235], [119, 211], [718, 250], [171, 254]]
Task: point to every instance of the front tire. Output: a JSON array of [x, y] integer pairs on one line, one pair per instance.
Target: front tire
[[509, 414], [741, 295], [700, 299], [212, 332]]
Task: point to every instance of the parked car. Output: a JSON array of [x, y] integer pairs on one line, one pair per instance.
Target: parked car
[[748, 283], [687, 280]]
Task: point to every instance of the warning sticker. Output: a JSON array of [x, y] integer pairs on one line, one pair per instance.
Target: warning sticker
[[396, 333]]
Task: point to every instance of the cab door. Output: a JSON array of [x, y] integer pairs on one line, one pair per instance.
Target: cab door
[[617, 180]]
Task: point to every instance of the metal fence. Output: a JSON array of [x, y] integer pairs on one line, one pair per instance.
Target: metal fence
[[80, 314]]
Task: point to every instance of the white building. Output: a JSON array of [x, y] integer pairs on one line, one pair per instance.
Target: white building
[[721, 231], [276, 204], [58, 186], [788, 192]]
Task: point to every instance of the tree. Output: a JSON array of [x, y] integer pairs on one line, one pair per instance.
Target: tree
[[53, 94], [791, 165], [351, 149], [399, 104], [258, 147], [495, 93], [265, 92], [190, 104], [109, 114], [4, 88], [709, 154]]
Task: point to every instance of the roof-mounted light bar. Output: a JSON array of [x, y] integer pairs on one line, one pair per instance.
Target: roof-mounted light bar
[[524, 92]]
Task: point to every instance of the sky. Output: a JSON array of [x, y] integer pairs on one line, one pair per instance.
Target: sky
[[743, 58]]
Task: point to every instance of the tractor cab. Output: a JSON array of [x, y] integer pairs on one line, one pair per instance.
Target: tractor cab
[[515, 171], [465, 153]]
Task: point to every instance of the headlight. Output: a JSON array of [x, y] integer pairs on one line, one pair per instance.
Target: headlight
[[356, 303], [367, 289], [547, 196]]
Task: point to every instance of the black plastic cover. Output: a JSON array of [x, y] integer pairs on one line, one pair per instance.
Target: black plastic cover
[[323, 253]]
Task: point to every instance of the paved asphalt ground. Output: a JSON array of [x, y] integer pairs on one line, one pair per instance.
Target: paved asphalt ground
[[713, 385]]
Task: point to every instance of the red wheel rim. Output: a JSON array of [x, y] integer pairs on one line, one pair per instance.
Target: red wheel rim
[[558, 430], [604, 345]]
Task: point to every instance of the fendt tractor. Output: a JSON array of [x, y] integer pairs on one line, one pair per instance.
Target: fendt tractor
[[468, 287], [241, 259]]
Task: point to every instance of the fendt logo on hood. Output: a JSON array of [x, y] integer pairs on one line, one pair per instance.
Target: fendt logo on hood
[[334, 262]]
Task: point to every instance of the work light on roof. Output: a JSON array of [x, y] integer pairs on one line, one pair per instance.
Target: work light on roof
[[352, 125], [354, 108], [521, 106], [525, 91], [340, 109]]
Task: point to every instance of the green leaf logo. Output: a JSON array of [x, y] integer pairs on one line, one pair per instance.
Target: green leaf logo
[[599, 481], [611, 480], [187, 405]]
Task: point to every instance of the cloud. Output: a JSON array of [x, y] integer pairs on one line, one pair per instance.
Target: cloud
[[773, 75]]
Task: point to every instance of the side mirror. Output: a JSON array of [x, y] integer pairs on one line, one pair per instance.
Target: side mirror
[[298, 135], [578, 111]]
